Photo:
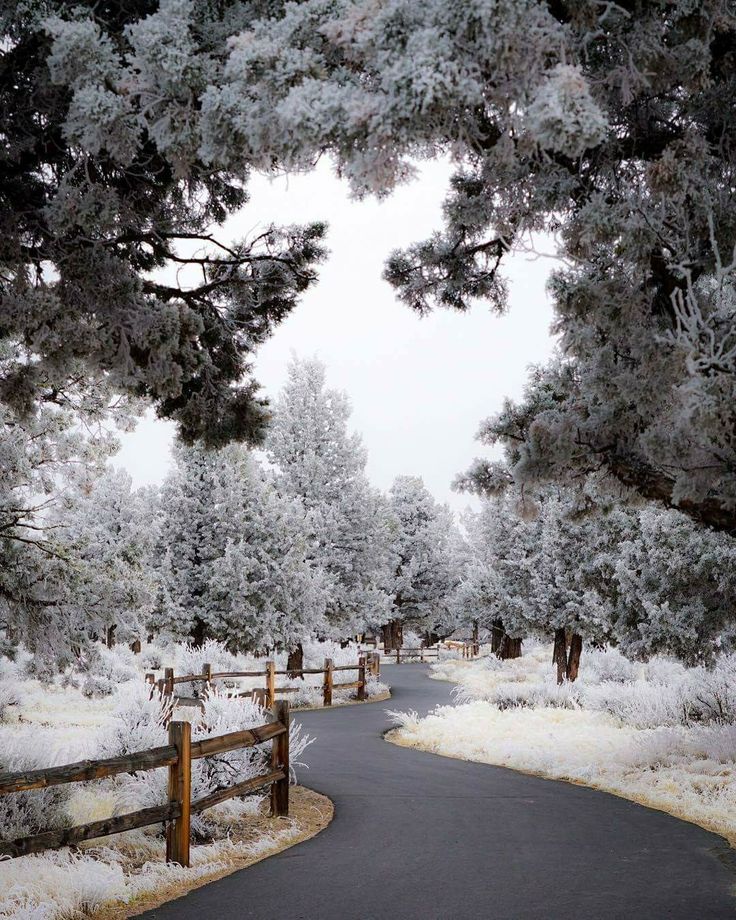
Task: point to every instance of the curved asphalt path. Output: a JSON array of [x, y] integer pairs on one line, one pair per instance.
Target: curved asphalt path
[[422, 837]]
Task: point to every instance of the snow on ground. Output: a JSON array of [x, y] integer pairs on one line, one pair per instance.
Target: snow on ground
[[130, 869], [658, 733], [105, 711]]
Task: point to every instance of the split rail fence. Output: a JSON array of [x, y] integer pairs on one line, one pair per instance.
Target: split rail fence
[[469, 649], [177, 755], [367, 665]]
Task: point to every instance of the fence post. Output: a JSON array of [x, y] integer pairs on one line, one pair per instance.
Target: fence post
[[398, 656], [260, 696], [421, 654], [270, 683], [180, 793], [169, 681], [207, 674], [361, 677], [280, 761], [377, 664], [327, 686]]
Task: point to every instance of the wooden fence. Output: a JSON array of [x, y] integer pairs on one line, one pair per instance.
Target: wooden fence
[[469, 647], [177, 755], [423, 654], [367, 665], [469, 650]]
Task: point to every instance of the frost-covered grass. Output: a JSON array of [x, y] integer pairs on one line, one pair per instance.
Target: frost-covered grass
[[658, 733], [103, 713], [66, 884]]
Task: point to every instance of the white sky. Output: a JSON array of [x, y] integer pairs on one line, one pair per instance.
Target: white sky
[[418, 387]]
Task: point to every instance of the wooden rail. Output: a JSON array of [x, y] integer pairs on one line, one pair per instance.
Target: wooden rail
[[469, 647], [469, 650], [369, 664], [177, 755]]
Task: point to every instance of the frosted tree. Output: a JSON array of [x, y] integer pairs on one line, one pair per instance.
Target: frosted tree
[[102, 531], [44, 457], [496, 581], [593, 121], [423, 555], [189, 543], [234, 556], [319, 463], [567, 594], [675, 583], [110, 267], [266, 592]]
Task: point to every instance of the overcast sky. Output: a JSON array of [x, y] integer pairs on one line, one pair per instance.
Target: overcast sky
[[418, 387]]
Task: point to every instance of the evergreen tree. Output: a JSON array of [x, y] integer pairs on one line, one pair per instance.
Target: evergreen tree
[[321, 465], [422, 550]]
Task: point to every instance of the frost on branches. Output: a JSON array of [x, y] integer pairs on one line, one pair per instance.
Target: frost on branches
[[605, 124], [565, 566], [321, 465], [422, 543], [110, 267], [234, 556]]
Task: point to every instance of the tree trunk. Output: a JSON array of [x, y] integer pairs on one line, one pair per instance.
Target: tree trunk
[[475, 632], [386, 636], [393, 635], [559, 655], [497, 634], [199, 632], [573, 661], [431, 638], [509, 648], [110, 636], [295, 661]]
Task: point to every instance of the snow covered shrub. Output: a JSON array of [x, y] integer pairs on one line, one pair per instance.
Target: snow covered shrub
[[9, 699], [412, 639], [107, 669], [24, 813], [639, 703], [191, 659], [608, 665], [401, 719], [711, 695]]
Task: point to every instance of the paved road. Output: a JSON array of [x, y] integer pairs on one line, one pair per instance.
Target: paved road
[[421, 837]]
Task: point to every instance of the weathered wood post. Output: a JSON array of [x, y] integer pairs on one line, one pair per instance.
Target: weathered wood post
[[270, 683], [376, 664], [180, 793], [327, 686], [169, 681], [260, 696], [361, 678], [280, 761]]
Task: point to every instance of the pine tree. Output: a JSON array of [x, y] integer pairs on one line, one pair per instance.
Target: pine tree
[[422, 549], [323, 466]]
